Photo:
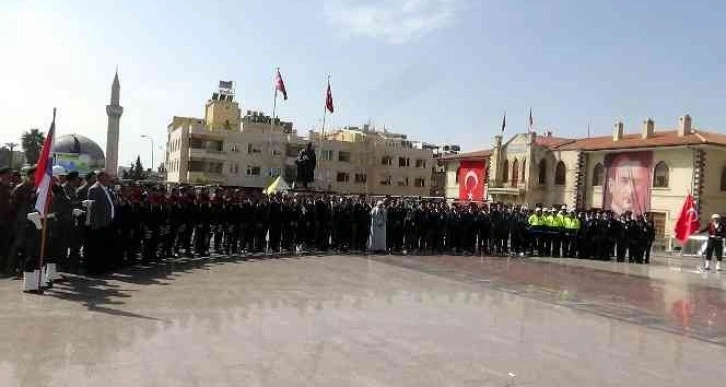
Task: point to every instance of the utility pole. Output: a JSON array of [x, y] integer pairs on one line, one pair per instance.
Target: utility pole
[[12, 146]]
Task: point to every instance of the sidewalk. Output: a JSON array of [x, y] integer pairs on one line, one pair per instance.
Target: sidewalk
[[664, 268]]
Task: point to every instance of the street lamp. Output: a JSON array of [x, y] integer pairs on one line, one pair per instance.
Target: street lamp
[[152, 150]]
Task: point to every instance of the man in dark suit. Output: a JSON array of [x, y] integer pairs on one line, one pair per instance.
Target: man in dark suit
[[100, 240], [79, 239]]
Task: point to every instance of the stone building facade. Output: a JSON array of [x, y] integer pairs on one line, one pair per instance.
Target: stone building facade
[[650, 170]]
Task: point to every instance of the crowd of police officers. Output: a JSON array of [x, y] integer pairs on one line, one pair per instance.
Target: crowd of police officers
[[151, 223]]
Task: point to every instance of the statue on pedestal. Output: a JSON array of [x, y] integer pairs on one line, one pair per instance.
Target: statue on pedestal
[[306, 161]]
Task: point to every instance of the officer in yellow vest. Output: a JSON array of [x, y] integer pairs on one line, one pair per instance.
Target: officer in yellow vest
[[572, 228], [536, 224], [558, 232], [549, 231]]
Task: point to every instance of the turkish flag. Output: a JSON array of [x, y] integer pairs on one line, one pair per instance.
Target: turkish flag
[[472, 180], [687, 223]]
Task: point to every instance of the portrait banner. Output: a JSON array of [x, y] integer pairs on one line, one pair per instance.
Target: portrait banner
[[472, 180], [628, 182]]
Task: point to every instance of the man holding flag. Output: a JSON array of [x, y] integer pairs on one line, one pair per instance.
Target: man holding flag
[[36, 230]]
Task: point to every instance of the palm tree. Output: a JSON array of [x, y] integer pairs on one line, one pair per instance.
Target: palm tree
[[32, 142]]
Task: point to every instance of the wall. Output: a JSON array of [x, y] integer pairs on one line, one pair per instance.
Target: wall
[[452, 186], [713, 200]]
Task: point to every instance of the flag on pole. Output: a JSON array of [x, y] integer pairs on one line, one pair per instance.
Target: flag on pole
[[531, 121], [329, 99], [280, 85], [44, 171], [688, 222], [504, 122]]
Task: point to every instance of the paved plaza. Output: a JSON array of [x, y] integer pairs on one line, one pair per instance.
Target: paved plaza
[[371, 321]]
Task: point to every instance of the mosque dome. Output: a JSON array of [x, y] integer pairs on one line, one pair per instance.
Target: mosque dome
[[78, 153]]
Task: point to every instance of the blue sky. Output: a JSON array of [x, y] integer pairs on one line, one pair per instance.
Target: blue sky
[[438, 70]]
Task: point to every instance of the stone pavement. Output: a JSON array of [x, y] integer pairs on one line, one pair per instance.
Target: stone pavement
[[369, 321]]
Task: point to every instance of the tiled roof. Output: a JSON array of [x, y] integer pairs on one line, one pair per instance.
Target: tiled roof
[[635, 140], [476, 155], [551, 142]]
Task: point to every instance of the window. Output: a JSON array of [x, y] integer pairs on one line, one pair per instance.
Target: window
[[386, 160], [598, 175], [403, 162], [342, 177], [292, 150], [326, 155], [505, 171], [344, 156], [560, 173], [386, 180], [659, 221], [234, 148], [660, 175], [360, 178], [196, 166], [420, 163], [524, 169], [234, 168], [251, 149], [274, 171], [215, 167], [515, 173], [420, 182], [196, 143], [723, 178], [403, 183], [253, 171], [542, 175], [214, 146]]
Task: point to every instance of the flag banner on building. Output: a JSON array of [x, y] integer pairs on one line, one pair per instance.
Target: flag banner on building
[[628, 182], [329, 100], [280, 85], [688, 223], [504, 122], [44, 171], [226, 85], [472, 180]]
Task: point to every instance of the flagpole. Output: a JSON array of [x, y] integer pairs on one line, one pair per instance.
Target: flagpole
[[274, 110], [322, 129], [44, 231]]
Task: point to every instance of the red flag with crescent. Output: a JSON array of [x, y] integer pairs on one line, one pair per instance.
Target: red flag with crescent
[[472, 180], [688, 222]]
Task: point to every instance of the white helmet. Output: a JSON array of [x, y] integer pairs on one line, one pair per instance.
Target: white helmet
[[59, 170]]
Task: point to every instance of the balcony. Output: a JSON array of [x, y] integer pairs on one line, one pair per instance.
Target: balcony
[[208, 154], [202, 178]]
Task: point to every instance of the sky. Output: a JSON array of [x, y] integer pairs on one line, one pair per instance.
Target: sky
[[437, 70]]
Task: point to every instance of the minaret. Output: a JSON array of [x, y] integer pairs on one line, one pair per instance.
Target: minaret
[[113, 111]]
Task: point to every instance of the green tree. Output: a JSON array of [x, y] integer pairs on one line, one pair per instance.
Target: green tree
[[32, 142], [137, 170]]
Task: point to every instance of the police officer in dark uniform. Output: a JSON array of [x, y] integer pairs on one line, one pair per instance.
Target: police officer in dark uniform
[[261, 213], [649, 236], [275, 223]]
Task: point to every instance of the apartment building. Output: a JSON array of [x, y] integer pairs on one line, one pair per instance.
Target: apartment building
[[229, 148]]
